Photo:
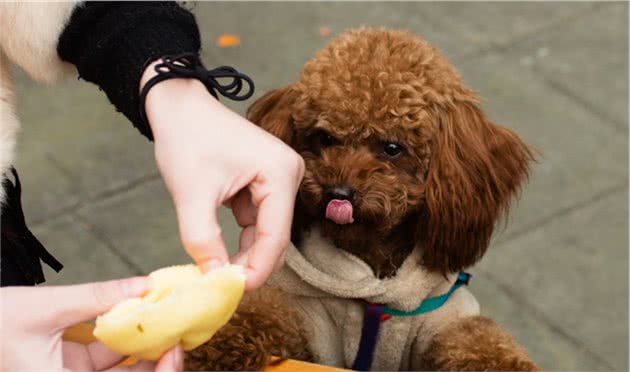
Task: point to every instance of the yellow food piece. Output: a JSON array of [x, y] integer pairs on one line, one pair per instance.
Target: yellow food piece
[[183, 306]]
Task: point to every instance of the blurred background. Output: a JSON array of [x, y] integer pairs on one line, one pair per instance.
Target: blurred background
[[556, 73]]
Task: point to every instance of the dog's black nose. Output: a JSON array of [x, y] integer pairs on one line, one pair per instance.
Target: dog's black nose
[[342, 192]]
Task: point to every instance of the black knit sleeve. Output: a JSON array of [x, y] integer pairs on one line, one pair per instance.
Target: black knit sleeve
[[110, 43]]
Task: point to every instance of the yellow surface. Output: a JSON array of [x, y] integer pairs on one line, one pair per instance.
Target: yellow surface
[[80, 333], [183, 306], [289, 365]]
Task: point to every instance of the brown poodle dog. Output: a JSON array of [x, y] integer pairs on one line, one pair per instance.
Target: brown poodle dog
[[405, 181]]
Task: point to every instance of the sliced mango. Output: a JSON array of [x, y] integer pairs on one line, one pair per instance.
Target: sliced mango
[[183, 306]]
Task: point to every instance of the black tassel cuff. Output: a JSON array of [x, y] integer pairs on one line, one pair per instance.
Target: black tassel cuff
[[188, 65]]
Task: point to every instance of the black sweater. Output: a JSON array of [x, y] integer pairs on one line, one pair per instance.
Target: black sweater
[[111, 43]]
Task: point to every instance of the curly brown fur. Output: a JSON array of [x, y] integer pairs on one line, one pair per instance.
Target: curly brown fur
[[263, 325], [445, 191], [475, 344], [455, 178]]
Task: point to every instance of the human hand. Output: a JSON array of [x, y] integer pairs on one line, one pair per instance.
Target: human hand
[[33, 320], [209, 156]]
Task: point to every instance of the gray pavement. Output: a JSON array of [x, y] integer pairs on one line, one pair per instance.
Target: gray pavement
[[556, 73]]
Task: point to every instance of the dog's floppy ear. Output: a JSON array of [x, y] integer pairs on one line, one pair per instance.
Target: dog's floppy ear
[[476, 168], [272, 112]]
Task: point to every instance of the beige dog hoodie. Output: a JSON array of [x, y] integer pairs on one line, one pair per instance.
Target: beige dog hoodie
[[329, 288]]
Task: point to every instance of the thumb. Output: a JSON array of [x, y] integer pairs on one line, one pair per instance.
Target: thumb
[[201, 234], [172, 361], [69, 305]]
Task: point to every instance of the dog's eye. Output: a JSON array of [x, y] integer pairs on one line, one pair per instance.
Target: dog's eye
[[393, 150], [326, 140]]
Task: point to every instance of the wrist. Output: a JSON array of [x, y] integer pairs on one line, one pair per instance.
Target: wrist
[[176, 83], [168, 94], [172, 86]]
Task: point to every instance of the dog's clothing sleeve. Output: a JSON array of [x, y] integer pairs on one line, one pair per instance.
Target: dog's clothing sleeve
[[111, 43]]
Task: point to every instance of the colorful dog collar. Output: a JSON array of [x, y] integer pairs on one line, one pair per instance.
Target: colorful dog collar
[[376, 313]]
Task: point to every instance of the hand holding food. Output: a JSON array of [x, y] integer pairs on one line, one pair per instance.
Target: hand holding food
[[184, 306]]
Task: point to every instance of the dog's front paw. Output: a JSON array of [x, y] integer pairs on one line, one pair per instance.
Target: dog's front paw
[[475, 344], [264, 325], [231, 349]]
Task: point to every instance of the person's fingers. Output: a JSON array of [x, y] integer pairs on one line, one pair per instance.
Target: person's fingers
[[172, 361], [75, 357], [246, 242], [247, 237], [142, 366], [69, 305], [245, 214], [201, 234], [273, 231], [102, 357], [280, 261], [243, 209]]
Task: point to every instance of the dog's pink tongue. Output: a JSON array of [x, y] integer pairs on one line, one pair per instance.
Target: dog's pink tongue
[[340, 211]]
